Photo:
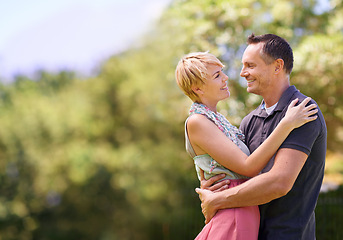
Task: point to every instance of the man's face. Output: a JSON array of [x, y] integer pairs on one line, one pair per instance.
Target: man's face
[[258, 74]]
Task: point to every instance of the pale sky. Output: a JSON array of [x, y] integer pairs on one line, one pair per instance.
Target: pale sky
[[69, 34]]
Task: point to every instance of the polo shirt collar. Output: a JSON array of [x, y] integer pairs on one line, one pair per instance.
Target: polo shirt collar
[[283, 102]]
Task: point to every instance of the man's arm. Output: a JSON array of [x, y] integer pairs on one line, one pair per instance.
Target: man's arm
[[260, 189]]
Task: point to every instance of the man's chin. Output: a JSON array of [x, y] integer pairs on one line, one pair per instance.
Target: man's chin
[[250, 90], [253, 91]]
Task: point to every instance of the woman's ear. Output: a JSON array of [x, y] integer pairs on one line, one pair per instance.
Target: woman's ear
[[197, 90], [279, 63]]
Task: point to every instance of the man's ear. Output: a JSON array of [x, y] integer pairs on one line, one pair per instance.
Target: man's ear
[[279, 63]]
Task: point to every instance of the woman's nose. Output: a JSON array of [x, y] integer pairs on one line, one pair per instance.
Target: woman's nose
[[225, 78]]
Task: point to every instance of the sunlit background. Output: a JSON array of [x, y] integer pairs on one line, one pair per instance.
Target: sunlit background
[[91, 119], [70, 34]]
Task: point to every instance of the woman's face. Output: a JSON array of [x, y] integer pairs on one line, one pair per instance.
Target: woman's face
[[215, 87]]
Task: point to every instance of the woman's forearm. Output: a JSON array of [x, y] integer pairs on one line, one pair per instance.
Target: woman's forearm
[[260, 157]]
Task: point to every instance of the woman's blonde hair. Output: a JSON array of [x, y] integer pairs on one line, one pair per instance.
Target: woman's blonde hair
[[192, 71]]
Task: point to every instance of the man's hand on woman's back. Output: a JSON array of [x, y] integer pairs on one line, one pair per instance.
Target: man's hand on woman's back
[[210, 183]]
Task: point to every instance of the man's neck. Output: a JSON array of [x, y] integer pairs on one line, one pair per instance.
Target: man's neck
[[273, 97]]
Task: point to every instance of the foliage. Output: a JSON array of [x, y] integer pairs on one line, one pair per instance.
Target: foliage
[[324, 73], [329, 215], [104, 158]]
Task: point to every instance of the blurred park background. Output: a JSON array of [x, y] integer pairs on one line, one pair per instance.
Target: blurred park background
[[102, 156]]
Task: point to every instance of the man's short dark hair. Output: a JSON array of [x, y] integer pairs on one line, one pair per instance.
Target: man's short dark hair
[[274, 47]]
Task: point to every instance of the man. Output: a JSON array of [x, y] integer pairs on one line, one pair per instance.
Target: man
[[287, 189]]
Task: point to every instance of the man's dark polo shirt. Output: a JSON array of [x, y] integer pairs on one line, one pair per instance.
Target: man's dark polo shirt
[[291, 216]]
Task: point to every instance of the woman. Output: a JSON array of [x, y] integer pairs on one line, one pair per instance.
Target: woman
[[218, 147]]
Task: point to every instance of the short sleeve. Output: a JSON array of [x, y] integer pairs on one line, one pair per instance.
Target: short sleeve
[[303, 138]]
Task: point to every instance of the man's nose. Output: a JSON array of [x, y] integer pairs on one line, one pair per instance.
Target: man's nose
[[243, 73]]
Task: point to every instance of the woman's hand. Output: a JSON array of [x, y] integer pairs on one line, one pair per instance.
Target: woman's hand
[[297, 116]]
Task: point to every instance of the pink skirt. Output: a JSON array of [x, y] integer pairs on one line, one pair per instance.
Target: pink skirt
[[233, 224]]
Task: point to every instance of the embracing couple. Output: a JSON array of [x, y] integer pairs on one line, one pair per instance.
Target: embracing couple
[[260, 181]]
